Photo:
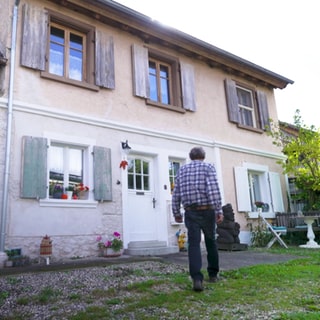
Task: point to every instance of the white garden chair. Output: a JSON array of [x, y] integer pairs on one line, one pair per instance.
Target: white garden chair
[[276, 232]]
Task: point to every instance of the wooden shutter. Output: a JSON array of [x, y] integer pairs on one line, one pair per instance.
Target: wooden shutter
[[263, 109], [34, 37], [188, 86], [102, 174], [276, 192], [34, 167], [104, 61], [242, 189], [140, 69], [232, 100]]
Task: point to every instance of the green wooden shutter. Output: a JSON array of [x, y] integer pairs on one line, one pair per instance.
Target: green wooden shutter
[[102, 174], [263, 109], [188, 86], [232, 100], [104, 61], [140, 68], [34, 167], [34, 37], [242, 189]]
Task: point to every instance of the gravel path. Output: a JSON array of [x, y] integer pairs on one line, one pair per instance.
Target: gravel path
[[26, 294]]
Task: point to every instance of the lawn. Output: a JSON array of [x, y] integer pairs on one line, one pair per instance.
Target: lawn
[[288, 290]]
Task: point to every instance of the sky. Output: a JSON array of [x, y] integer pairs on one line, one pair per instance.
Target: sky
[[279, 35]]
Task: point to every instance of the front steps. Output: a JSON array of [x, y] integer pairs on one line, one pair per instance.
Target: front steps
[[149, 248]]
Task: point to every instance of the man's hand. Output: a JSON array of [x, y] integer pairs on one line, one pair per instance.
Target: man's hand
[[219, 218], [178, 218]]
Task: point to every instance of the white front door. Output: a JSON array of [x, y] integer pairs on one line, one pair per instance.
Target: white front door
[[142, 205]]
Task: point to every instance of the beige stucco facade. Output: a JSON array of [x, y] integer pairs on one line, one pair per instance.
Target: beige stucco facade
[[105, 117]]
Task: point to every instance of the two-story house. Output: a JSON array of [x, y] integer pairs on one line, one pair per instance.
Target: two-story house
[[95, 94]]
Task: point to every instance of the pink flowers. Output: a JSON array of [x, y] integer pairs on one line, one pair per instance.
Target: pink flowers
[[114, 243]]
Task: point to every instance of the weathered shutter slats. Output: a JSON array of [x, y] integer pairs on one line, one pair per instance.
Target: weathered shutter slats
[[140, 65], [102, 174], [232, 100], [105, 76], [34, 37], [34, 167], [263, 109], [188, 86]]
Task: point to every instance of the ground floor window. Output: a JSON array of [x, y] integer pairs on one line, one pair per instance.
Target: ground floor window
[[256, 186]]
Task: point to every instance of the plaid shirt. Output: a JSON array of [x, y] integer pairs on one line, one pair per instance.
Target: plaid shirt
[[196, 184]]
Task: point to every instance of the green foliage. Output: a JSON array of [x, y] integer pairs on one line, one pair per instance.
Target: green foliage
[[260, 236], [303, 158]]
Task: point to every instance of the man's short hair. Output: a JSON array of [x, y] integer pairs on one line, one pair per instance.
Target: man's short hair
[[197, 153]]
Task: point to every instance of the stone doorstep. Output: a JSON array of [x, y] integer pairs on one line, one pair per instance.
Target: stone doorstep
[[149, 248]]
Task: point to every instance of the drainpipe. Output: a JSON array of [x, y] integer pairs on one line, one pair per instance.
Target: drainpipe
[[9, 128]]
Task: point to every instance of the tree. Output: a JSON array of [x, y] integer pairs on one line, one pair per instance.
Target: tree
[[302, 148]]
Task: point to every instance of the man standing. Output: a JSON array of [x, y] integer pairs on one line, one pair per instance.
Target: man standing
[[196, 188]]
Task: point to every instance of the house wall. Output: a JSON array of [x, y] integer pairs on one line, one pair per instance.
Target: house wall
[[106, 117]]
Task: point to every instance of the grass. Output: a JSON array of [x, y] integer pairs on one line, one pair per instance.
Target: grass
[[281, 291]]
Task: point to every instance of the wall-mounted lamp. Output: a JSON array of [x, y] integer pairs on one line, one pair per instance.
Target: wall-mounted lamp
[[125, 145]]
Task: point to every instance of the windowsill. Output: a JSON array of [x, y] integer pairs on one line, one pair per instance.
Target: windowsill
[[68, 203], [177, 223], [241, 126], [76, 83], [165, 106], [255, 215]]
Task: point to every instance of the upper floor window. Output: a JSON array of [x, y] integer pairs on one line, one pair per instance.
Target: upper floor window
[[67, 52], [160, 81], [163, 80], [246, 107]]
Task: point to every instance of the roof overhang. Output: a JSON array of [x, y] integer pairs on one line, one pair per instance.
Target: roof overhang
[[150, 31]]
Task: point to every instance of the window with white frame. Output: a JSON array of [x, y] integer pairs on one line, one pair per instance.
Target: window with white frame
[[254, 184], [174, 166], [66, 168], [47, 163], [247, 107]]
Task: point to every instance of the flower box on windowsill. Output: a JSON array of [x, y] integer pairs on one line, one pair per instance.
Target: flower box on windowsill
[[83, 195]]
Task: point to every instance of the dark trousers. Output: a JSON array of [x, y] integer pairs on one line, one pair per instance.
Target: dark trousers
[[196, 221]]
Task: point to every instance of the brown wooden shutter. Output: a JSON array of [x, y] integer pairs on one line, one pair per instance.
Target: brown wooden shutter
[[34, 168], [188, 86], [140, 69], [232, 100], [104, 61], [102, 174], [263, 110], [34, 37]]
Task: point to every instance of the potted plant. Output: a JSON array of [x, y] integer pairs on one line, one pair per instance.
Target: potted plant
[[69, 191], [82, 191], [111, 247], [57, 191]]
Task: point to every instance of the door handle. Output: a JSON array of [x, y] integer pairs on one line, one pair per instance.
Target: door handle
[[154, 202]]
